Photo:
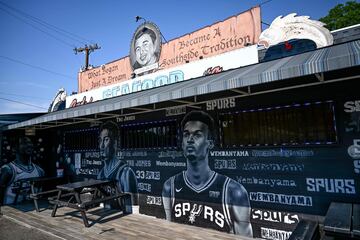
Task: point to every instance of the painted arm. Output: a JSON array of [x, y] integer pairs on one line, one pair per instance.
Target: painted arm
[[41, 171], [239, 209], [129, 184], [166, 198], [5, 177]]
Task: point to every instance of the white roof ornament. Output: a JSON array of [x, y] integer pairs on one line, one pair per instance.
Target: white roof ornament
[[58, 102], [295, 27]]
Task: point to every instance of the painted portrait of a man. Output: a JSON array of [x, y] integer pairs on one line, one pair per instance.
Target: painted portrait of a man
[[21, 168], [114, 168], [199, 196], [145, 47]]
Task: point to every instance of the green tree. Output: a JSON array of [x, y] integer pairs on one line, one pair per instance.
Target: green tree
[[342, 15]]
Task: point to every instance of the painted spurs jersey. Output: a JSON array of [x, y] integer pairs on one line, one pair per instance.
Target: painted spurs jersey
[[20, 172], [203, 207], [116, 173]]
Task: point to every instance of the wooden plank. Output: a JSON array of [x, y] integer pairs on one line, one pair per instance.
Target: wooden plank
[[68, 225], [338, 218], [356, 220]]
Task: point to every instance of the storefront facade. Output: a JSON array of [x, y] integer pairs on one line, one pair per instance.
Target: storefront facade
[[285, 130]]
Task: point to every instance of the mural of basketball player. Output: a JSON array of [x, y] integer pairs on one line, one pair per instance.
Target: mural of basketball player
[[199, 196], [114, 168], [22, 167]]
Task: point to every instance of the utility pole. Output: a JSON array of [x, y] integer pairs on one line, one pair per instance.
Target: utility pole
[[87, 49]]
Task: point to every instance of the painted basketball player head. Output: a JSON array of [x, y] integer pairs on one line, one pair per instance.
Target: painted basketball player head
[[26, 146], [197, 129], [108, 140]]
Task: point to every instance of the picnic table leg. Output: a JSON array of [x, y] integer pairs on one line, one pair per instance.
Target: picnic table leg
[[119, 200], [83, 214], [35, 200], [56, 205], [17, 193]]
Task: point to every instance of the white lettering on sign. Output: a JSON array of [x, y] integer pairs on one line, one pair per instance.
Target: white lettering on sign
[[225, 164], [150, 175], [354, 150], [170, 164], [282, 153], [151, 200], [279, 167], [195, 210], [144, 187], [143, 163], [220, 104], [352, 106], [175, 111], [170, 154], [329, 185], [297, 200], [229, 153], [87, 171], [357, 166], [125, 118], [272, 182], [274, 216], [275, 234]]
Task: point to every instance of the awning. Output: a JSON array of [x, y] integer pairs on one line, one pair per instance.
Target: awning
[[239, 80]]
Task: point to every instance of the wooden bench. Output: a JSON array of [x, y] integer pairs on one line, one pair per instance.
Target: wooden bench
[[343, 220], [338, 219], [356, 220], [39, 195], [43, 182], [305, 230]]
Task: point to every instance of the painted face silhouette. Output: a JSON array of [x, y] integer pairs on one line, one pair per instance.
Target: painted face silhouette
[[26, 146], [106, 145], [195, 141]]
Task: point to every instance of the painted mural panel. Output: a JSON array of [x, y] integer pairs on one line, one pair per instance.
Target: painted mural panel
[[25, 161], [351, 113], [199, 195], [202, 167], [261, 185]]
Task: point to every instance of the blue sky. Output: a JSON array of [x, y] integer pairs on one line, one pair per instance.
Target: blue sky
[[34, 65]]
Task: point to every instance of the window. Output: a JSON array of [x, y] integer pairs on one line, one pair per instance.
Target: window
[[81, 140], [298, 124], [161, 134]]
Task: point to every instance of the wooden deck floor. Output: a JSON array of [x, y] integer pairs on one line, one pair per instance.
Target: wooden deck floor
[[68, 225]]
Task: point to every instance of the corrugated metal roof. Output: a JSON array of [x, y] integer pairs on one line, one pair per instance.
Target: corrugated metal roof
[[321, 60]]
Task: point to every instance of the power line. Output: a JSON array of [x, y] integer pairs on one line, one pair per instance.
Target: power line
[[265, 2], [39, 29], [48, 25], [37, 67], [27, 96], [10, 100]]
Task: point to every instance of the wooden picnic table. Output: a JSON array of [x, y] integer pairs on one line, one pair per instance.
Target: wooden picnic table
[[69, 195], [34, 183]]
